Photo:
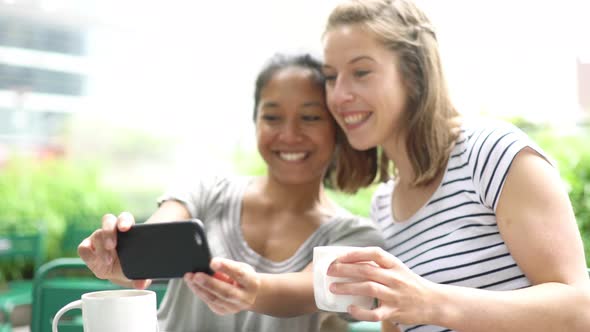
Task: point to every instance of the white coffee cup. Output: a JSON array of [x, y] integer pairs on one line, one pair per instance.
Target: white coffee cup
[[323, 257], [125, 310]]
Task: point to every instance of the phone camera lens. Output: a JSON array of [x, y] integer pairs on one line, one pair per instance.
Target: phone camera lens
[[198, 239]]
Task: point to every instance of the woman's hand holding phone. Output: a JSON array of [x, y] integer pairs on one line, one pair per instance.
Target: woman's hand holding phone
[[99, 252], [232, 288]]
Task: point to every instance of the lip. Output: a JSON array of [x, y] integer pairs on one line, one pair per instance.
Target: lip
[[351, 126]]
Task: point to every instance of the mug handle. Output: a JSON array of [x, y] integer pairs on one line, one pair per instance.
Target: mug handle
[[72, 305], [328, 295]]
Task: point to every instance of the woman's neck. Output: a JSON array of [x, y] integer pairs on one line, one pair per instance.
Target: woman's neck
[[296, 198], [396, 150]]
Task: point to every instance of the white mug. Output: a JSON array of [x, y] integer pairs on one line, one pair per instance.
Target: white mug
[[324, 299], [124, 310]]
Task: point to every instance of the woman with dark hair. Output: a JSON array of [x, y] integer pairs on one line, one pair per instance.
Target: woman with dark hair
[[261, 230]]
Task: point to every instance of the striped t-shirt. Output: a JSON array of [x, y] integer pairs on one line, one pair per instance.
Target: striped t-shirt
[[454, 238]]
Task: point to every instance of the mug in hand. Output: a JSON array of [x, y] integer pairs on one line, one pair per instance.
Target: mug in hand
[[324, 299], [125, 310]]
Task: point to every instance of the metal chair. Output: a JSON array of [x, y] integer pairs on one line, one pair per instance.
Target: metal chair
[[18, 247]]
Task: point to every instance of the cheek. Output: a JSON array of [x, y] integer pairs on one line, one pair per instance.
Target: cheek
[[330, 101], [262, 139], [328, 138]]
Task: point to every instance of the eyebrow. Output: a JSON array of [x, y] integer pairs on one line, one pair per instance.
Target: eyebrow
[[311, 104], [355, 59], [270, 104]]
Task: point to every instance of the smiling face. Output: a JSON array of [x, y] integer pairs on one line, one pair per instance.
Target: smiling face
[[294, 130], [364, 88]]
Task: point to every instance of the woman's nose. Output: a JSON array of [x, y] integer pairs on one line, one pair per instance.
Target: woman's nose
[[291, 132], [340, 93]]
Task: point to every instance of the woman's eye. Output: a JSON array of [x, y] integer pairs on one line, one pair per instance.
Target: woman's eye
[[329, 78], [361, 73], [270, 118], [311, 117]]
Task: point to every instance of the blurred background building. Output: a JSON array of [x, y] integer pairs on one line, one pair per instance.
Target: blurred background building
[[43, 73], [153, 89]]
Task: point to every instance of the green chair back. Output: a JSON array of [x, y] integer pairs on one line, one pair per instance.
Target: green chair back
[[27, 247], [62, 281], [15, 248], [364, 327]]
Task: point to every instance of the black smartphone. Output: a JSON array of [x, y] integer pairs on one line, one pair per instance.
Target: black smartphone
[[163, 250]]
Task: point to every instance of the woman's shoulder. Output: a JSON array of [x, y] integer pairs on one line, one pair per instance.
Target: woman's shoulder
[[473, 128], [486, 138]]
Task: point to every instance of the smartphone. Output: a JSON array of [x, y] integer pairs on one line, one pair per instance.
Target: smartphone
[[163, 250]]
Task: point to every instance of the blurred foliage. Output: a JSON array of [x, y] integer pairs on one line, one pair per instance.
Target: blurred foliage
[[51, 196]]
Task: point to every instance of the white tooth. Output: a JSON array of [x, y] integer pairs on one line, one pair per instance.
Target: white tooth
[[352, 119], [292, 156]]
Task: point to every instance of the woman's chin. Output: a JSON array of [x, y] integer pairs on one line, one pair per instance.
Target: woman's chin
[[360, 145]]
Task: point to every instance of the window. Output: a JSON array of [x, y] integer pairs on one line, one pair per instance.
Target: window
[[41, 80], [42, 37]]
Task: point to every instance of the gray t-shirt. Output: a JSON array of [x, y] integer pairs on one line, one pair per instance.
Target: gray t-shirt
[[217, 202]]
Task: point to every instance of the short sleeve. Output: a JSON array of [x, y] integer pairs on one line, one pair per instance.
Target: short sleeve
[[492, 152], [199, 197]]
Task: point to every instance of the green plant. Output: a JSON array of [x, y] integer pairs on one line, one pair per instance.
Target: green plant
[[50, 196], [571, 153]]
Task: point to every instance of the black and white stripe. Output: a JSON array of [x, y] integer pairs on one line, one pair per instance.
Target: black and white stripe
[[454, 238]]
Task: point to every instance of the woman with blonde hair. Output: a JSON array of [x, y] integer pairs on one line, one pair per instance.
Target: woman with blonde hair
[[480, 234]]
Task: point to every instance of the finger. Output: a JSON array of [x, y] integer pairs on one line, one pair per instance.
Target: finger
[[373, 254], [94, 256], [372, 315], [364, 288], [217, 304], [236, 271], [109, 224], [141, 284], [109, 221], [361, 271], [225, 278], [214, 303], [101, 251], [221, 289], [125, 221], [86, 250], [202, 293]]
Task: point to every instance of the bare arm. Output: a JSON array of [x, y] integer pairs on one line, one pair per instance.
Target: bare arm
[[281, 295], [275, 288], [538, 225]]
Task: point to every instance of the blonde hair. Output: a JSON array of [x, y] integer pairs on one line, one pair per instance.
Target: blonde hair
[[405, 30]]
